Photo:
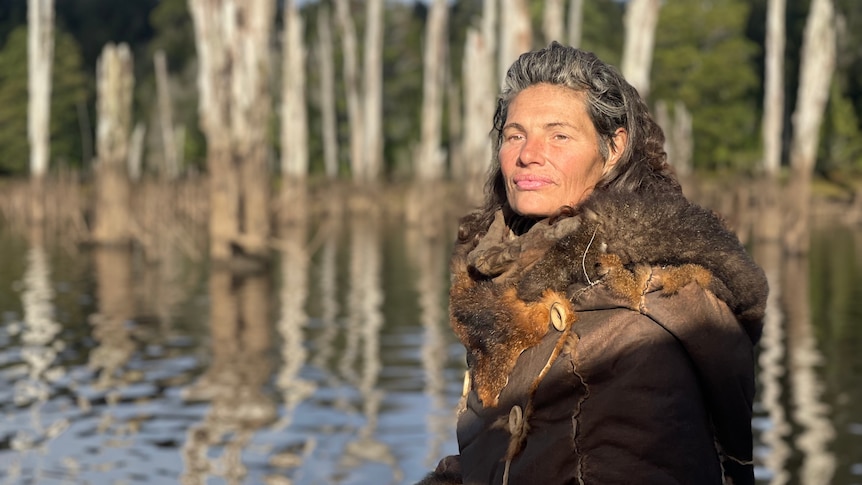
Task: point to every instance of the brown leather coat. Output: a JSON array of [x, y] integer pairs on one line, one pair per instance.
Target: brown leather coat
[[628, 369], [635, 401]]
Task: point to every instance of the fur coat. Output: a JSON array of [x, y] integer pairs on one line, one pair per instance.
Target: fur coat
[[612, 341]]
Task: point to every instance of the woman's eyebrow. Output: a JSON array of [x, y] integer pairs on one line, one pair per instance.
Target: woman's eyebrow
[[550, 125], [513, 126]]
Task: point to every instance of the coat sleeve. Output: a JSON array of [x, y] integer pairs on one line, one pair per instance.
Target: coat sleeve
[[723, 357]]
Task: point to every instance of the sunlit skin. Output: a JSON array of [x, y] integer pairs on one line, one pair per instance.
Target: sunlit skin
[[550, 154]]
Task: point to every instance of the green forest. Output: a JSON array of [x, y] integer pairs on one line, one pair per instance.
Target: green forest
[[708, 54]]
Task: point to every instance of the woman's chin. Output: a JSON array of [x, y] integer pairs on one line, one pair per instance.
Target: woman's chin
[[532, 204]]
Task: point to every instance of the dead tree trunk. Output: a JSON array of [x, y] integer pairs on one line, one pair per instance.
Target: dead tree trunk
[[233, 38], [351, 87], [327, 92], [641, 19], [576, 22], [480, 88], [816, 66], [134, 161], [478, 85], [170, 168], [678, 136], [490, 21], [553, 20], [770, 226], [115, 85], [516, 33], [294, 118], [430, 162], [773, 99], [372, 108], [40, 58], [455, 129]]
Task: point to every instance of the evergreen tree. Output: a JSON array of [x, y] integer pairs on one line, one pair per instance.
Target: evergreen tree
[[402, 86], [68, 101], [173, 33], [603, 29], [841, 145], [14, 149], [703, 59], [67, 97], [13, 13]]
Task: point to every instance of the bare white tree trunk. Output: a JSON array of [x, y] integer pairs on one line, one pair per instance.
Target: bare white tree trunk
[[327, 92], [233, 40], [480, 90], [351, 87], [372, 147], [679, 141], [294, 119], [490, 20], [773, 99], [641, 19], [115, 85], [576, 22], [516, 33], [134, 160], [816, 67], [455, 128], [479, 97], [430, 162], [553, 20], [170, 168], [40, 59]]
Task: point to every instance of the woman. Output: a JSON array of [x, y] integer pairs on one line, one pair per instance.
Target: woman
[[609, 323]]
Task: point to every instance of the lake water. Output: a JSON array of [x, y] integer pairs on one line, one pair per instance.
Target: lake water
[[338, 366]]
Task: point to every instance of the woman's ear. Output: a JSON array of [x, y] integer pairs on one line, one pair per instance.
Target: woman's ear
[[617, 146]]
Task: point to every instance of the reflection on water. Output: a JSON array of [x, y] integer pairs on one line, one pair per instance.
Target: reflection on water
[[37, 370], [233, 385], [809, 411], [775, 451], [337, 366]]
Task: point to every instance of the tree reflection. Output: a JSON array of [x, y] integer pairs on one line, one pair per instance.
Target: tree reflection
[[40, 345], [427, 251], [233, 383], [772, 367], [290, 326], [363, 328], [791, 390], [810, 412], [324, 343], [113, 269]]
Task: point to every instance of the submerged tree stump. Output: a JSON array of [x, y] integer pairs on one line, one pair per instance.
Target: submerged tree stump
[[115, 84], [233, 39]]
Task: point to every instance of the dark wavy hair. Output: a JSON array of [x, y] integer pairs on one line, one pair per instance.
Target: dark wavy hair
[[612, 103]]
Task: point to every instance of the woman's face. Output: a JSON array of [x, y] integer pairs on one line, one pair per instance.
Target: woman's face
[[550, 154]]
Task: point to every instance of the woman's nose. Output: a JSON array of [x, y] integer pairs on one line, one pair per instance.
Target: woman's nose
[[532, 152]]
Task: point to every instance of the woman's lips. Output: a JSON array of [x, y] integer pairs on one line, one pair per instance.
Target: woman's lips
[[531, 182]]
